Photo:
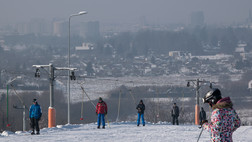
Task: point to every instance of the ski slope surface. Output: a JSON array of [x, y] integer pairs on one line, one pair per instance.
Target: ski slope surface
[[122, 132]]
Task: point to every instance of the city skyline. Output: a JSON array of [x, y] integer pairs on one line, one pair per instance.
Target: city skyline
[[223, 12]]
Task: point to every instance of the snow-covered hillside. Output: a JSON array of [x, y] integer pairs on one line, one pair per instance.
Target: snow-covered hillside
[[122, 132]]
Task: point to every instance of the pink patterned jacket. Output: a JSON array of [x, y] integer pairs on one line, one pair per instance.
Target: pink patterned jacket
[[224, 121]]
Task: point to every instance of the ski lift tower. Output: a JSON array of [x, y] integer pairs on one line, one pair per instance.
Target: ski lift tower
[[22, 108], [50, 72], [198, 84], [7, 93]]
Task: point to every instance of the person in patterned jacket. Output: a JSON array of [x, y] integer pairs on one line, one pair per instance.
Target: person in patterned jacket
[[224, 119], [101, 111]]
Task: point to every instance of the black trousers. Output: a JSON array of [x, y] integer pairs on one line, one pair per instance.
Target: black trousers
[[34, 124], [175, 119]]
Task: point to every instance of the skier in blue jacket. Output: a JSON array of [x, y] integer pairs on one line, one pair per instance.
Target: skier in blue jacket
[[35, 114], [140, 112]]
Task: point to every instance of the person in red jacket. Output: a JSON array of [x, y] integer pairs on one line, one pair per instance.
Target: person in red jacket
[[101, 111]]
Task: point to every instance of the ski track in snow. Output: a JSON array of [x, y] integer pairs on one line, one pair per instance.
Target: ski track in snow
[[122, 132]]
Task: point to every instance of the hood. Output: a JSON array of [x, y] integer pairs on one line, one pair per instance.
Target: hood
[[223, 103]]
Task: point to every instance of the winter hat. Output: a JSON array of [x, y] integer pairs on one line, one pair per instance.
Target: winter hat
[[141, 101], [34, 100], [100, 98], [212, 96]]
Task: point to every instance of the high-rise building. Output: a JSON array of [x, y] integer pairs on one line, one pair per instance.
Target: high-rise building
[[90, 30], [35, 26], [249, 20], [60, 28], [197, 19]]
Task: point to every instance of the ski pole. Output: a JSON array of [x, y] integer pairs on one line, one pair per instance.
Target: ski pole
[[107, 121], [88, 97], [93, 103], [200, 133]]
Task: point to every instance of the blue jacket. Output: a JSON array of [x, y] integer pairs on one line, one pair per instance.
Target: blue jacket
[[35, 111]]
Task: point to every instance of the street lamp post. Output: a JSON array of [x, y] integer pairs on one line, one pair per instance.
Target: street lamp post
[[68, 85]]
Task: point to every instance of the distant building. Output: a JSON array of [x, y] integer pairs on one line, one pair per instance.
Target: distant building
[[22, 28], [240, 50], [197, 19], [90, 30], [250, 84], [174, 54], [249, 20], [247, 23], [85, 47], [60, 28], [214, 57], [3, 46], [35, 26], [179, 55]]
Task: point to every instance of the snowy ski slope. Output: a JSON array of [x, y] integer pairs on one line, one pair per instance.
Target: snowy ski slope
[[122, 132]]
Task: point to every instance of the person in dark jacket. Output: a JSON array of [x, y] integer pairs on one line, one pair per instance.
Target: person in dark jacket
[[101, 111], [175, 114], [202, 115], [35, 114], [140, 111]]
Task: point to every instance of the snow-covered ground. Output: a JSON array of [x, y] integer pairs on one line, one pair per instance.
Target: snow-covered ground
[[122, 132]]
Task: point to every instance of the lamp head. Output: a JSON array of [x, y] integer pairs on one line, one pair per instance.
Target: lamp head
[[188, 84], [82, 12]]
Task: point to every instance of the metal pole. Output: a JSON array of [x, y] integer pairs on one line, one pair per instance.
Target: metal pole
[[7, 104], [51, 70], [51, 109], [197, 92], [119, 103], [24, 127], [68, 85], [69, 43], [197, 103]]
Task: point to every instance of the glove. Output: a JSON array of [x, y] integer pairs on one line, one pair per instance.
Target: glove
[[204, 121]]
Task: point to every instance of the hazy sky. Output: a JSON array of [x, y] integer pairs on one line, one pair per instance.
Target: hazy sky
[[155, 11]]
